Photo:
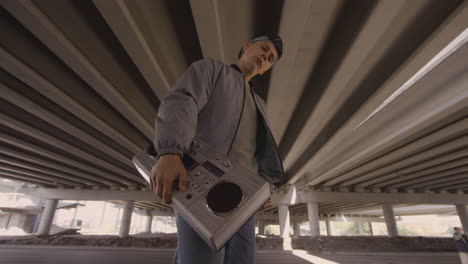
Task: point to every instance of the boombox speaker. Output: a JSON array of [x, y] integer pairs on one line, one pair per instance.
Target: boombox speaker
[[221, 196]]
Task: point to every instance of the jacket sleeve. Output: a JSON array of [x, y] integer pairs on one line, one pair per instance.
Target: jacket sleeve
[[176, 121]]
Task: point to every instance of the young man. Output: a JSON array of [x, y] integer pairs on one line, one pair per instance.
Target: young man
[[214, 102]]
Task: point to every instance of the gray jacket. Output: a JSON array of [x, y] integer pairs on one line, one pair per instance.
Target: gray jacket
[[207, 102]]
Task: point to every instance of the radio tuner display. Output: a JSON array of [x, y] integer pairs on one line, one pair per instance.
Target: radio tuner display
[[213, 169], [189, 163]]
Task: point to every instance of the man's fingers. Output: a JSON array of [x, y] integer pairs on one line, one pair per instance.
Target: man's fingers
[[183, 180], [159, 188], [167, 191]]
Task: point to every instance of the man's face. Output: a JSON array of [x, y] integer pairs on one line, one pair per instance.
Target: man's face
[[261, 55]]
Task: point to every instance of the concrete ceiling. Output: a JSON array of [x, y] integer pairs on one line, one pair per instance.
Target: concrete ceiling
[[370, 96]]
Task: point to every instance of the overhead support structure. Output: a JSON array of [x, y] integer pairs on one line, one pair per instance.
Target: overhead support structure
[[352, 144], [127, 20], [149, 221], [46, 30], [328, 226], [371, 230], [314, 224], [390, 220], [261, 227], [126, 218], [47, 216], [395, 198], [285, 225], [463, 215]]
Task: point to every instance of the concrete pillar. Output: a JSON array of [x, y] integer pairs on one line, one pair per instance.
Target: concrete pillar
[[285, 225], [75, 212], [103, 213], [328, 225], [261, 227], [314, 218], [360, 228], [149, 221], [463, 214], [47, 216], [126, 219], [297, 228], [390, 220], [371, 231], [119, 210]]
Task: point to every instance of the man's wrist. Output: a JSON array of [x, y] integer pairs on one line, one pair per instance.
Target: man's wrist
[[171, 156]]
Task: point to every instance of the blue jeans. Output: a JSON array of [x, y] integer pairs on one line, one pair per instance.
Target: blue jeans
[[191, 248]]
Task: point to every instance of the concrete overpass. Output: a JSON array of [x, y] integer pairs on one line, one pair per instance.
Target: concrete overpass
[[369, 103]]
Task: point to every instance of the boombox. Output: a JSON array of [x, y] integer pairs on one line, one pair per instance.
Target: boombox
[[221, 196]]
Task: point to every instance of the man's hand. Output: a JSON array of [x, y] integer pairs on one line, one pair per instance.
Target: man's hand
[[168, 169]]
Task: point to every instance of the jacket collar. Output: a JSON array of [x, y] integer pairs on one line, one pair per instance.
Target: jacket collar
[[235, 67]]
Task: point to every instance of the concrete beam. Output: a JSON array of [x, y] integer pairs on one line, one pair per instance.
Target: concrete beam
[[11, 95], [395, 198], [207, 17], [326, 159], [438, 181], [283, 92], [361, 58], [421, 113], [17, 142], [38, 23], [37, 134], [421, 154], [124, 24], [286, 195], [272, 218], [90, 195], [411, 179], [69, 175]]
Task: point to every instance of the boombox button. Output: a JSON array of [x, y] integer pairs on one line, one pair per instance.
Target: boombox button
[[218, 157], [227, 163], [206, 180], [197, 173], [201, 189]]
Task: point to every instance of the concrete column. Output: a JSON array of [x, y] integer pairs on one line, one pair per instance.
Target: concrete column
[[47, 216], [463, 214], [75, 212], [314, 218], [360, 228], [328, 225], [149, 221], [103, 213], [371, 231], [390, 220], [285, 225], [297, 229], [119, 210], [261, 227], [126, 219]]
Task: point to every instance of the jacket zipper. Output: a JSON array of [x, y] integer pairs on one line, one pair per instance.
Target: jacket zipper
[[240, 117]]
